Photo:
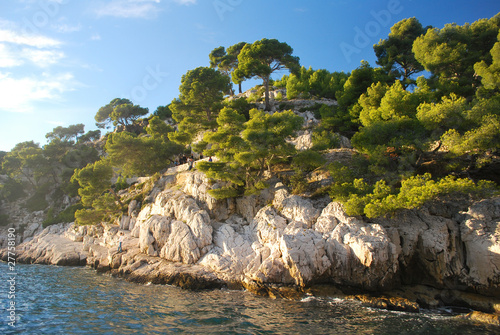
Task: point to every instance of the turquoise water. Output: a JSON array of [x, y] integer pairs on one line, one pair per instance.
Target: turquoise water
[[68, 300]]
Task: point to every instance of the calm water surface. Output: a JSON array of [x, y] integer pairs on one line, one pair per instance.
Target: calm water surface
[[67, 300]]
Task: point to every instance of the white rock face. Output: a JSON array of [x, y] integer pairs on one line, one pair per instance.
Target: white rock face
[[294, 207], [276, 249], [51, 246], [174, 228], [281, 238], [480, 232], [363, 254]]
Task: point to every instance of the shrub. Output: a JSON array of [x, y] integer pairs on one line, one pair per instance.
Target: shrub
[[298, 182], [4, 220], [37, 201], [307, 160], [121, 184], [324, 139], [67, 215], [414, 192]]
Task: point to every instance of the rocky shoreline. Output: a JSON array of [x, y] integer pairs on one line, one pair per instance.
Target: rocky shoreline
[[287, 246]]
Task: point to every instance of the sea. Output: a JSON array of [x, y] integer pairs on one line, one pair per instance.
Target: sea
[[43, 299]]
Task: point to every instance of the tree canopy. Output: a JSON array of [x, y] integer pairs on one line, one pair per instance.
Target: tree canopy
[[395, 53], [247, 149], [119, 112], [262, 58], [227, 61], [450, 54], [66, 133], [201, 95]]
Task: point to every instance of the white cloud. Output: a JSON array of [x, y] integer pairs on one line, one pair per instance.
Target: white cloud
[[8, 58], [143, 9], [16, 48], [38, 41], [20, 94], [42, 58], [95, 37]]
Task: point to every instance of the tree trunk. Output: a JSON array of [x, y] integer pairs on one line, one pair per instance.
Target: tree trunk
[[266, 87], [117, 197], [239, 87]]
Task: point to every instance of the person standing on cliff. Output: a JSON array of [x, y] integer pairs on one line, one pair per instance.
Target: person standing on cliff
[[120, 241]]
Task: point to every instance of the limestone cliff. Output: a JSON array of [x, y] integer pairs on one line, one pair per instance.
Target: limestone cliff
[[185, 237]]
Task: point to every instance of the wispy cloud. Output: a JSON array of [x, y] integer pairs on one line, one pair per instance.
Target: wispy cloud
[[16, 48], [143, 9], [14, 56], [66, 28], [38, 41], [42, 58], [186, 2], [8, 58], [21, 94], [21, 91]]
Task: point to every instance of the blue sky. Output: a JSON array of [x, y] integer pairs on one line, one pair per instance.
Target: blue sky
[[61, 60]]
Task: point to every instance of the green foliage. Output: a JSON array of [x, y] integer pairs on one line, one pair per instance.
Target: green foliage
[[298, 182], [100, 201], [399, 134], [246, 149], [38, 202], [450, 54], [395, 54], [257, 95], [163, 112], [319, 83], [94, 180], [4, 220], [90, 136], [357, 83], [324, 139], [66, 133], [335, 118], [262, 58], [418, 190], [307, 160], [121, 184], [200, 100], [483, 138], [12, 190], [281, 83], [360, 198], [241, 105], [66, 216], [119, 112], [142, 155], [25, 161], [227, 62], [448, 114], [224, 193], [490, 74], [382, 103]]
